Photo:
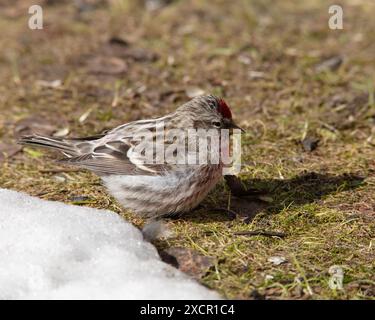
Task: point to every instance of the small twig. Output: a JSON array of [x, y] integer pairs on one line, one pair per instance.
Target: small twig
[[261, 233], [60, 170]]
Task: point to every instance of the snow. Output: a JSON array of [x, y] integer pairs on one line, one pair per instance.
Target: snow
[[50, 250]]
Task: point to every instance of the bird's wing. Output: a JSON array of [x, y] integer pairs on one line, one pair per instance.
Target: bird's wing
[[118, 152]]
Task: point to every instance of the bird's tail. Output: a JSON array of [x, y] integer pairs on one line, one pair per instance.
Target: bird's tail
[[64, 145]]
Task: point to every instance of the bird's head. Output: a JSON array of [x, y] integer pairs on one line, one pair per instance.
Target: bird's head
[[209, 112]]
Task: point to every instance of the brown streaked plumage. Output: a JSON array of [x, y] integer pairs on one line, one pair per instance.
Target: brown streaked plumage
[[150, 189]]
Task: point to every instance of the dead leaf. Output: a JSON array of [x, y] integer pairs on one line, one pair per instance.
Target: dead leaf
[[15, 9], [347, 111], [107, 65], [32, 125], [118, 41], [85, 115], [61, 133], [120, 48], [193, 92], [49, 84], [83, 6], [244, 59], [277, 260], [187, 260], [153, 5], [141, 54], [7, 151], [309, 144], [331, 64], [256, 75], [171, 61], [269, 277], [59, 178]]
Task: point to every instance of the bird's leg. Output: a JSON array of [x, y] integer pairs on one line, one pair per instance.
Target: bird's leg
[[237, 189], [198, 207], [230, 213]]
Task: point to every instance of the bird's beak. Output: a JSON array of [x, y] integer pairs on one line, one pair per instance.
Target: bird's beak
[[234, 126], [231, 125]]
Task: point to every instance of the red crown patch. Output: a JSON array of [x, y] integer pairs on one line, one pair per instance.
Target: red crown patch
[[224, 110]]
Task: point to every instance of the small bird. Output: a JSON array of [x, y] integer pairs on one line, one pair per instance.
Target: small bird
[[152, 190]]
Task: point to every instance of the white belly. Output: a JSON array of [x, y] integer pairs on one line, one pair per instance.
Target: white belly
[[164, 194]]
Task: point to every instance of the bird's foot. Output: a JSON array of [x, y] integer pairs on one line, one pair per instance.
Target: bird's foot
[[231, 214], [238, 190]]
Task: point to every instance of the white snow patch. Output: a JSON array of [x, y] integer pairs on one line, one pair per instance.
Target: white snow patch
[[50, 250]]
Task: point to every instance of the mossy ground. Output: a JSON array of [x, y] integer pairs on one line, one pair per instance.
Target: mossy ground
[[324, 201]]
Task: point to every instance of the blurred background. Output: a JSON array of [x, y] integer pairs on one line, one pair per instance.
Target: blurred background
[[126, 59]]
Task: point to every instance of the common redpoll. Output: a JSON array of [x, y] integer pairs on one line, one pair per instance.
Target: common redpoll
[[158, 186]]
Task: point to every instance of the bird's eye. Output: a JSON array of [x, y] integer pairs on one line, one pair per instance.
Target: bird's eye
[[216, 124]]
